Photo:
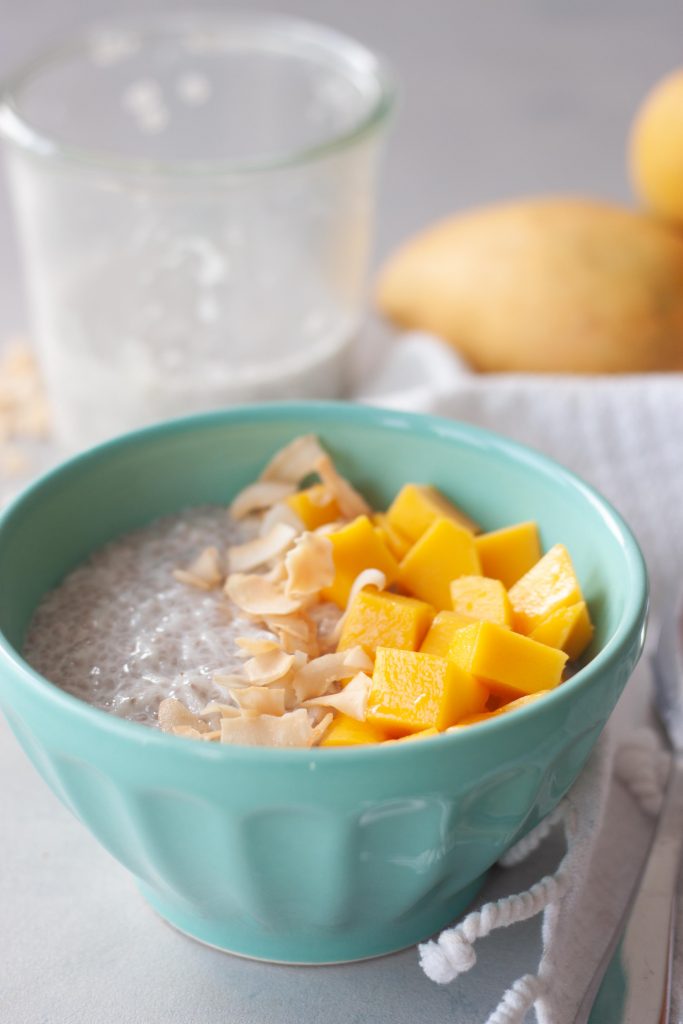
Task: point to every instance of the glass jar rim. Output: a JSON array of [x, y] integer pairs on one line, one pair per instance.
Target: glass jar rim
[[17, 130]]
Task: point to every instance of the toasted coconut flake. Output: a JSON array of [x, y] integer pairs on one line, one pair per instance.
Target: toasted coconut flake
[[293, 729], [366, 578], [278, 574], [316, 677], [263, 699], [259, 496], [295, 632], [268, 668], [188, 731], [244, 557], [352, 700], [351, 503], [327, 528], [173, 713], [251, 646], [206, 572], [321, 728], [259, 596], [295, 461], [309, 566], [214, 707], [229, 681], [278, 514]]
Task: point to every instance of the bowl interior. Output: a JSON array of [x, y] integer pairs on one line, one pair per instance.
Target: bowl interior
[[130, 481]]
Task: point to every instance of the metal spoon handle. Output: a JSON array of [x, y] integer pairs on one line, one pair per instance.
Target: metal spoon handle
[[647, 945]]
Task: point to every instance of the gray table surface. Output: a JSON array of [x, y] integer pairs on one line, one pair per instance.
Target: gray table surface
[[498, 100]]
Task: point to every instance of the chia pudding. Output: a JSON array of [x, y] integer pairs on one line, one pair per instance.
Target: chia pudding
[[124, 634]]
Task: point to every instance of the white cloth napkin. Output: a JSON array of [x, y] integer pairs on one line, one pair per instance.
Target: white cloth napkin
[[624, 435]]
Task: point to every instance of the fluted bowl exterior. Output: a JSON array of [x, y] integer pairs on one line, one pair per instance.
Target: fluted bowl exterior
[[329, 854]]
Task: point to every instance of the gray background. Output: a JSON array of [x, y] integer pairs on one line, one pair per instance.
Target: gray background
[[498, 99]]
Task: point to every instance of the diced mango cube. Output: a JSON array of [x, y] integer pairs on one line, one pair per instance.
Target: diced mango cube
[[547, 586], [511, 665], [396, 541], [385, 620], [440, 635], [416, 506], [481, 598], [356, 547], [424, 734], [569, 629], [413, 691], [444, 552], [508, 553], [511, 705], [314, 506], [349, 732]]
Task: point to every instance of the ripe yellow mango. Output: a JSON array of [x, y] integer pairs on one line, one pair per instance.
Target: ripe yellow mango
[[349, 732], [440, 636], [481, 598], [398, 543], [508, 553], [385, 620], [569, 629], [547, 586], [604, 282], [424, 734], [510, 665], [655, 149], [314, 506], [445, 551], [511, 705], [412, 691], [417, 506], [356, 547]]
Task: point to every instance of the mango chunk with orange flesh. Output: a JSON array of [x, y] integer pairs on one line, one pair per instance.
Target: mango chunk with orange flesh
[[509, 553], [444, 552], [481, 598], [569, 629], [349, 732], [385, 620], [314, 506], [356, 547], [547, 586], [511, 665], [412, 691], [440, 635], [424, 734], [417, 506], [396, 541], [511, 705]]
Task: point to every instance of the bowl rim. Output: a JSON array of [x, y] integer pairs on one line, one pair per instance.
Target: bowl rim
[[630, 628]]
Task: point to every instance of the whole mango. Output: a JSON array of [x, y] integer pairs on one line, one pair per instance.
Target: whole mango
[[656, 149], [555, 285]]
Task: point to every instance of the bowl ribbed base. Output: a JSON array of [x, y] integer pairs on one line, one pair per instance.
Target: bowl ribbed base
[[343, 945]]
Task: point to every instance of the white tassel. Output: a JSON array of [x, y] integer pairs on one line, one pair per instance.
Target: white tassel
[[642, 766], [517, 1001], [530, 842], [443, 959]]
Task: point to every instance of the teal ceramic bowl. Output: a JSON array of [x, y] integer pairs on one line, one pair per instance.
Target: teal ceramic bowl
[[332, 854]]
